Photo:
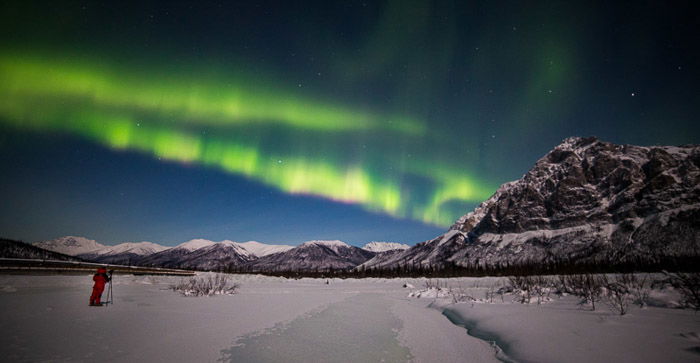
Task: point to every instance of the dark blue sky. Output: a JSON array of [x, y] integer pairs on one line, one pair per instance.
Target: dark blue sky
[[283, 122]]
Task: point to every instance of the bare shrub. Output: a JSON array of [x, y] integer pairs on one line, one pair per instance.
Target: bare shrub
[[542, 288], [588, 287], [563, 285], [490, 293], [459, 294], [639, 287], [618, 295], [216, 284], [521, 286], [688, 285], [435, 284]]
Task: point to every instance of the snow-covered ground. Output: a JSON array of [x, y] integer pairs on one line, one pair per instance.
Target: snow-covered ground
[[46, 318]]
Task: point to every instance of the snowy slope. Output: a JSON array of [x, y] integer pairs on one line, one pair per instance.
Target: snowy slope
[[261, 249], [585, 200], [194, 244], [384, 246], [70, 245]]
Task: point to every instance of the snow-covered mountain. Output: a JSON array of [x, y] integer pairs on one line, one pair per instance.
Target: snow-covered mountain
[[586, 200], [384, 246], [124, 253], [176, 256], [202, 254], [216, 256], [16, 249], [312, 256], [262, 249], [70, 245]]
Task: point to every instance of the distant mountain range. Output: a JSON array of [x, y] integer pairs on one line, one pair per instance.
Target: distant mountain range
[[584, 201], [202, 254]]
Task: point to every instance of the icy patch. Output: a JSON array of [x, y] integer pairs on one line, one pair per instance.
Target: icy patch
[[8, 288]]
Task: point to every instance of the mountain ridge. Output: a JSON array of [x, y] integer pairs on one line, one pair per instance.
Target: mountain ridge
[[585, 200]]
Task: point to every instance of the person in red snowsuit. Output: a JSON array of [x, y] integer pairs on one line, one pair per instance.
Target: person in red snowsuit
[[100, 278]]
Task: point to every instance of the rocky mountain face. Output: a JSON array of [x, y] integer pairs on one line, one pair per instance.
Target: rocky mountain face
[[586, 200], [312, 256]]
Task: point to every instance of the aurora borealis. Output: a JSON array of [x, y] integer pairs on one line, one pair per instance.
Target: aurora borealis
[[354, 121], [157, 117]]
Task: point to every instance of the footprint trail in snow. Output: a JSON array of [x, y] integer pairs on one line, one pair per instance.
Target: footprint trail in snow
[[358, 329]]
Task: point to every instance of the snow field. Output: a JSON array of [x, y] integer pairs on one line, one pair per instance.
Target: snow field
[[47, 318]]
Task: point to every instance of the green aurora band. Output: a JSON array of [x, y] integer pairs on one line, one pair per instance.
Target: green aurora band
[[222, 125]]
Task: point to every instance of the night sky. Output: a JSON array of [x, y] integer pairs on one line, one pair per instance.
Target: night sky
[[288, 121]]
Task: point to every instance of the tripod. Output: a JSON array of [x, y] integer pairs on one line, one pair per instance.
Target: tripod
[[110, 297]]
